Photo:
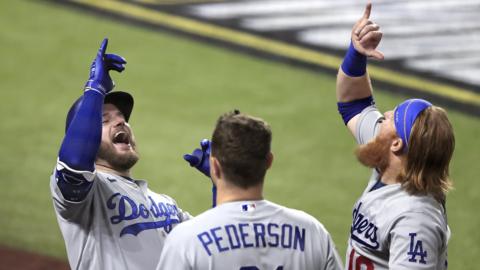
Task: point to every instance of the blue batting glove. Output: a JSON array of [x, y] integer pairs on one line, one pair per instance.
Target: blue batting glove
[[200, 157], [100, 79]]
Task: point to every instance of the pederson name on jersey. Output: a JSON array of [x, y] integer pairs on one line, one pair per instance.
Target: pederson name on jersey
[[252, 235]]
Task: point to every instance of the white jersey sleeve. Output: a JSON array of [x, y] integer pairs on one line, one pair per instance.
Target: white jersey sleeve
[[416, 243], [367, 125]]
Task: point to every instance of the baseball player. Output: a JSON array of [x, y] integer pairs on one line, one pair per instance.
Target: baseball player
[[245, 231], [399, 222], [108, 219]]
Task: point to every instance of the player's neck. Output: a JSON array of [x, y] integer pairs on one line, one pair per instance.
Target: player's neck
[[105, 168], [229, 193], [391, 173]]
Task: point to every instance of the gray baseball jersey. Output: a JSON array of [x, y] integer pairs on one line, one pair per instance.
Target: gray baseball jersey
[[120, 224], [250, 235], [392, 229]]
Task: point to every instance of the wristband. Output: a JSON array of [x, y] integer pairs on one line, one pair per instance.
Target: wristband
[[354, 64]]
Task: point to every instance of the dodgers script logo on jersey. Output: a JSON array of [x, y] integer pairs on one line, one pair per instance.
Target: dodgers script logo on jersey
[[363, 230], [128, 209]]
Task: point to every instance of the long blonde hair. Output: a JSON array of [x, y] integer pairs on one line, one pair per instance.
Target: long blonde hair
[[430, 150]]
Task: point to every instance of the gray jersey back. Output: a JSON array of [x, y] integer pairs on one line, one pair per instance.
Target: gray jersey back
[[250, 235], [392, 229], [121, 224]]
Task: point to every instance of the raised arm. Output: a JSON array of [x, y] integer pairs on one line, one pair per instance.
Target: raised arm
[[354, 90], [83, 131]]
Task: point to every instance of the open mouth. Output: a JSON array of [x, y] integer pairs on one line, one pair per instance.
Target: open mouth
[[121, 137]]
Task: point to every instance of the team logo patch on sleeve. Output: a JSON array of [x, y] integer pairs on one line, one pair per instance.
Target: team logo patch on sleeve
[[416, 249]]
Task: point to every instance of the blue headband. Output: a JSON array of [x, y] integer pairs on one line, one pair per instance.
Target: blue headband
[[405, 115]]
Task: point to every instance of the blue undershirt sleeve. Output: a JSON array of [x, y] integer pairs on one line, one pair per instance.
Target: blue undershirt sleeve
[[76, 159], [349, 109], [83, 136]]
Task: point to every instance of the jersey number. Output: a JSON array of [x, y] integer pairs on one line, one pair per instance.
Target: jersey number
[[256, 268], [359, 262]]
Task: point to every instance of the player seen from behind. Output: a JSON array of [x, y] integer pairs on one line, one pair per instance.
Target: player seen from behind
[[245, 231], [108, 219], [399, 222]]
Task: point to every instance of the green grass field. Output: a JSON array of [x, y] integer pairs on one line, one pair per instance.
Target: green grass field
[[181, 87]]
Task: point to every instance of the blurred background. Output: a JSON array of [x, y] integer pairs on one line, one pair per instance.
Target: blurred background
[[190, 61]]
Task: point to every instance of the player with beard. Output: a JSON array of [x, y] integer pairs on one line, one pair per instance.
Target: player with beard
[[108, 219], [400, 221]]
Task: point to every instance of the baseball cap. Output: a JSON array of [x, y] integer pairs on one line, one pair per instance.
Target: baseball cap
[[122, 100]]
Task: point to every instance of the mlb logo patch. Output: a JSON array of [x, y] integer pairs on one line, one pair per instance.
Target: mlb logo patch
[[248, 207]]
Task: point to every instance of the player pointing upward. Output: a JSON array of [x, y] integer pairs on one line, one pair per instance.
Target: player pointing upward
[[108, 219], [245, 231], [399, 222]]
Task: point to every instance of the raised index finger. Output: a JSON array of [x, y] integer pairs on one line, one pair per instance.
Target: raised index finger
[[368, 9], [364, 20], [103, 47]]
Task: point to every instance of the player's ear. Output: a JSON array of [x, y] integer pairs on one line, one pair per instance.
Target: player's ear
[[397, 145], [269, 160], [215, 168]]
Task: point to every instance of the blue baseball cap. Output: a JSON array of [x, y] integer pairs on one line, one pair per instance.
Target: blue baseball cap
[[122, 100], [405, 115]]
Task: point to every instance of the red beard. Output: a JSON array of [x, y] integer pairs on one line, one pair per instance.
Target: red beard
[[375, 154]]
